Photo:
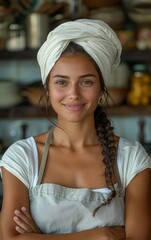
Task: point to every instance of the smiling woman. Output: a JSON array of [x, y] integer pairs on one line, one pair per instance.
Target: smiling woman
[[78, 180]]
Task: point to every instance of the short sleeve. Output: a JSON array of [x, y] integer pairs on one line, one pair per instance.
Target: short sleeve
[[19, 160], [132, 159]]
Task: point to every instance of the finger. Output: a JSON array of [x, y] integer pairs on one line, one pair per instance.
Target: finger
[[25, 220], [27, 213], [29, 219], [20, 230], [22, 225], [25, 216], [33, 226], [21, 215]]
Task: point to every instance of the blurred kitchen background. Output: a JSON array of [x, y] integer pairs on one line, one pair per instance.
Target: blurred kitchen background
[[24, 25]]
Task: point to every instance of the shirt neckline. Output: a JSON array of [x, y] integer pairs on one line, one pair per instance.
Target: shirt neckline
[[103, 189]]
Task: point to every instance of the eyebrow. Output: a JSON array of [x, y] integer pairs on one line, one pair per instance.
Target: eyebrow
[[81, 76]]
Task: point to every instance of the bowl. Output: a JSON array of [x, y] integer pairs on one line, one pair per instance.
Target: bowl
[[131, 4], [140, 17], [117, 96], [139, 11], [33, 94], [9, 94], [106, 14]]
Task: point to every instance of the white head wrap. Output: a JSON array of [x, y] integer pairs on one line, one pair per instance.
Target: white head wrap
[[95, 36]]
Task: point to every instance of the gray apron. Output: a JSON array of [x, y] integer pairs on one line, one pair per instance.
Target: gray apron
[[59, 209]]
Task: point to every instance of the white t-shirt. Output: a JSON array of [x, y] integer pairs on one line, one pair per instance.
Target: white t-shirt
[[59, 209]]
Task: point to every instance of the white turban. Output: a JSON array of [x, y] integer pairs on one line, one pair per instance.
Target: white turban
[[95, 36]]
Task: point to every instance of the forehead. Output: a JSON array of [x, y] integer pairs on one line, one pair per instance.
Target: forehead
[[75, 63]]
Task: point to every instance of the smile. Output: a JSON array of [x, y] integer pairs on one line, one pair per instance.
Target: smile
[[74, 107]]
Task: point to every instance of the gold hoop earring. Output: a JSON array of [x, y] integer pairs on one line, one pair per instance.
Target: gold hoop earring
[[101, 101]]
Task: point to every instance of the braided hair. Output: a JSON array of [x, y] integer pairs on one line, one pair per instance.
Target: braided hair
[[106, 137]]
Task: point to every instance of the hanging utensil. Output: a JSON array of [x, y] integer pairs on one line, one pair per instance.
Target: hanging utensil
[[56, 8], [44, 7], [26, 4], [17, 7]]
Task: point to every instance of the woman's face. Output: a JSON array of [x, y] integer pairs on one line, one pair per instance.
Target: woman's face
[[74, 87]]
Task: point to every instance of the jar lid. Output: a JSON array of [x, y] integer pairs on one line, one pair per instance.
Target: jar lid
[[139, 67], [15, 26]]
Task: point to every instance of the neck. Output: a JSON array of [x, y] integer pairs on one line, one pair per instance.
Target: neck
[[75, 135]]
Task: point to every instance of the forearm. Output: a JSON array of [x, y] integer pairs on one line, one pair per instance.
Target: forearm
[[94, 234], [136, 238]]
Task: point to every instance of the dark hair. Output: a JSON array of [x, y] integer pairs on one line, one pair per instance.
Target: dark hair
[[103, 126]]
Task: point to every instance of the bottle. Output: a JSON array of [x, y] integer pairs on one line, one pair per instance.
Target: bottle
[[16, 38], [139, 93]]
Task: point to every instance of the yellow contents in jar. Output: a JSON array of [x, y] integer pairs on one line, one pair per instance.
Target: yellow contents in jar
[[139, 93]]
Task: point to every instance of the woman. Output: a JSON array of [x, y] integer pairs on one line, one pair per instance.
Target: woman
[[79, 180]]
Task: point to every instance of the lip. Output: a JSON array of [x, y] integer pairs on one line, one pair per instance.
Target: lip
[[74, 107]]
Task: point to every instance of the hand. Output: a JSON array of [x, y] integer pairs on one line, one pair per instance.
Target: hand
[[104, 233], [116, 233], [24, 221]]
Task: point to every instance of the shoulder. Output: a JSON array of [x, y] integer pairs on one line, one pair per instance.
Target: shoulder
[[132, 146], [20, 148], [20, 158], [26, 147], [132, 159]]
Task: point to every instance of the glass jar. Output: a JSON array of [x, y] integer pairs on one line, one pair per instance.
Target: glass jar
[[139, 93], [15, 38]]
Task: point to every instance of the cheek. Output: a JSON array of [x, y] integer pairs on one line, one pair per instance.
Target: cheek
[[55, 95], [94, 95]]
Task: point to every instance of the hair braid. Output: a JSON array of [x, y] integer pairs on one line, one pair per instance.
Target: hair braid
[[106, 137]]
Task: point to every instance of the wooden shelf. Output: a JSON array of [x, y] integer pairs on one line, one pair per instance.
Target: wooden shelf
[[129, 111], [18, 55], [135, 55], [132, 55], [20, 112], [29, 111], [25, 111]]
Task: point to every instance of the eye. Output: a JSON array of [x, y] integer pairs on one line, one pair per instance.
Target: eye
[[61, 82], [87, 83]]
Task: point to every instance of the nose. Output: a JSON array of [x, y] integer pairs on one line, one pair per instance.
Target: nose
[[74, 91]]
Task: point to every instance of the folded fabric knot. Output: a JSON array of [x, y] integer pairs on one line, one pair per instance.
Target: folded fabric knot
[[95, 36]]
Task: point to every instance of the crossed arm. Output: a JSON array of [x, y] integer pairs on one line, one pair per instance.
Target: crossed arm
[[137, 214]]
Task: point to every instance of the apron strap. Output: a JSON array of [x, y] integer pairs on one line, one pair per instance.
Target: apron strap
[[44, 156], [117, 175], [44, 159]]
